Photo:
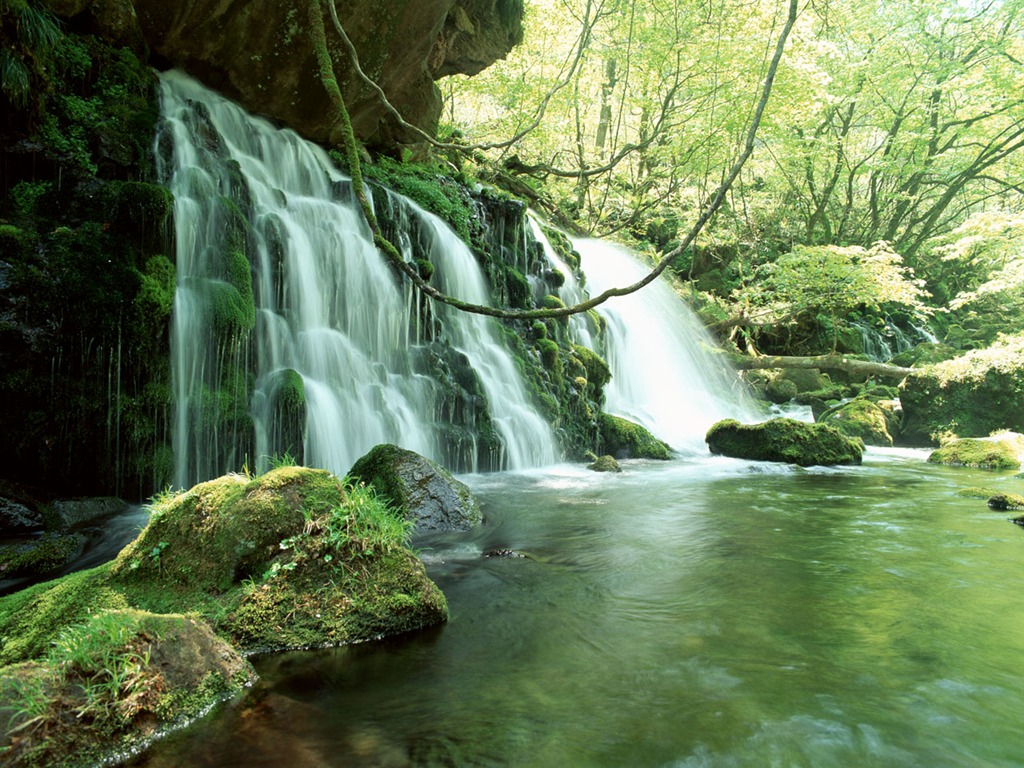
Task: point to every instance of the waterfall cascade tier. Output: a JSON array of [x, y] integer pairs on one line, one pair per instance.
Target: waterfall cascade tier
[[663, 373], [292, 335]]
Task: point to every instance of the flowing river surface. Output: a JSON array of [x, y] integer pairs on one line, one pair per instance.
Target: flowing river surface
[[704, 612]]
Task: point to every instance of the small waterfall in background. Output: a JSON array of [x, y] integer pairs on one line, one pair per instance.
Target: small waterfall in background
[[280, 292], [663, 375]]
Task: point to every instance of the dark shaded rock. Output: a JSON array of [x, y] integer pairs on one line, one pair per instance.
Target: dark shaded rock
[[785, 440], [16, 517], [261, 54], [38, 557], [76, 511], [425, 492], [503, 553], [624, 439], [997, 452], [1006, 501], [604, 464]]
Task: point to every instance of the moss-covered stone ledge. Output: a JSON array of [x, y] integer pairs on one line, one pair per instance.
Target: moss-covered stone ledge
[[784, 440], [290, 559], [1001, 451]]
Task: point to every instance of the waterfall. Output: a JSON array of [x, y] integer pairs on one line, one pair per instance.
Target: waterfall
[[291, 333], [663, 374]]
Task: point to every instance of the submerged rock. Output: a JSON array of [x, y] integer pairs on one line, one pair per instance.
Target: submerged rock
[[995, 452], [785, 440], [624, 439], [422, 490]]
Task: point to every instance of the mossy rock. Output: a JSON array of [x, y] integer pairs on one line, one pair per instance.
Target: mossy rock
[[970, 396], [38, 557], [1006, 501], [67, 711], [780, 390], [294, 558], [998, 452], [861, 418], [419, 489], [624, 439], [596, 369], [604, 464], [784, 440]]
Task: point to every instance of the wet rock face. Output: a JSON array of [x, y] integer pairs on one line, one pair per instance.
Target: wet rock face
[[260, 54], [421, 489]]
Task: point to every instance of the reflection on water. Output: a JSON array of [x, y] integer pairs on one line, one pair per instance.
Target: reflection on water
[[713, 613]]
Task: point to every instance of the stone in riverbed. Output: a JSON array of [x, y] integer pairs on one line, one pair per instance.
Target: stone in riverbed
[[422, 490], [784, 440], [1000, 451]]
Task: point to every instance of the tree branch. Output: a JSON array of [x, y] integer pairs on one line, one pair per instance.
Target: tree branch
[[388, 249]]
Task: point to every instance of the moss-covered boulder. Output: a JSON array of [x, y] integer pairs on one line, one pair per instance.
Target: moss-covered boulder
[[1005, 501], [871, 421], [110, 685], [785, 440], [423, 491], [625, 439], [970, 396], [1002, 451], [294, 558], [604, 464]]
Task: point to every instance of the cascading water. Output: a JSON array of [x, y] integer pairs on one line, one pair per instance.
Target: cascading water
[[314, 324], [662, 374]]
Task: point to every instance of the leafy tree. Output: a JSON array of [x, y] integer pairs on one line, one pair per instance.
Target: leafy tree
[[831, 281]]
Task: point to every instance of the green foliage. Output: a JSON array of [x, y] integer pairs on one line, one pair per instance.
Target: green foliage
[[429, 187], [831, 281], [969, 396]]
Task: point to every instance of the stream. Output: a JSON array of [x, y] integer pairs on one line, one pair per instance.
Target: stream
[[700, 612]]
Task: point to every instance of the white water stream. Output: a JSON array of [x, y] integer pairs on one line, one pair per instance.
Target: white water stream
[[664, 373]]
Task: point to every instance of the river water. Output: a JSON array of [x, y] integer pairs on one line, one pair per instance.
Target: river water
[[706, 612]]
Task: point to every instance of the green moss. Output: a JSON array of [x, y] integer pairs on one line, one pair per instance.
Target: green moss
[[428, 187], [549, 354], [38, 557], [622, 438], [861, 418], [784, 440], [597, 371], [988, 453], [604, 464], [32, 618], [107, 683]]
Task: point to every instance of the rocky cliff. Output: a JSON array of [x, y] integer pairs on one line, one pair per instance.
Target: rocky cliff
[[260, 53]]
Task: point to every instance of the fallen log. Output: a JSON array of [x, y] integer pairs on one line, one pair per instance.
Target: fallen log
[[834, 362]]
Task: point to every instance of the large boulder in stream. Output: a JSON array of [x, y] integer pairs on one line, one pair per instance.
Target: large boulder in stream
[[1000, 451], [625, 439], [423, 491], [874, 422], [294, 558], [784, 440]]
